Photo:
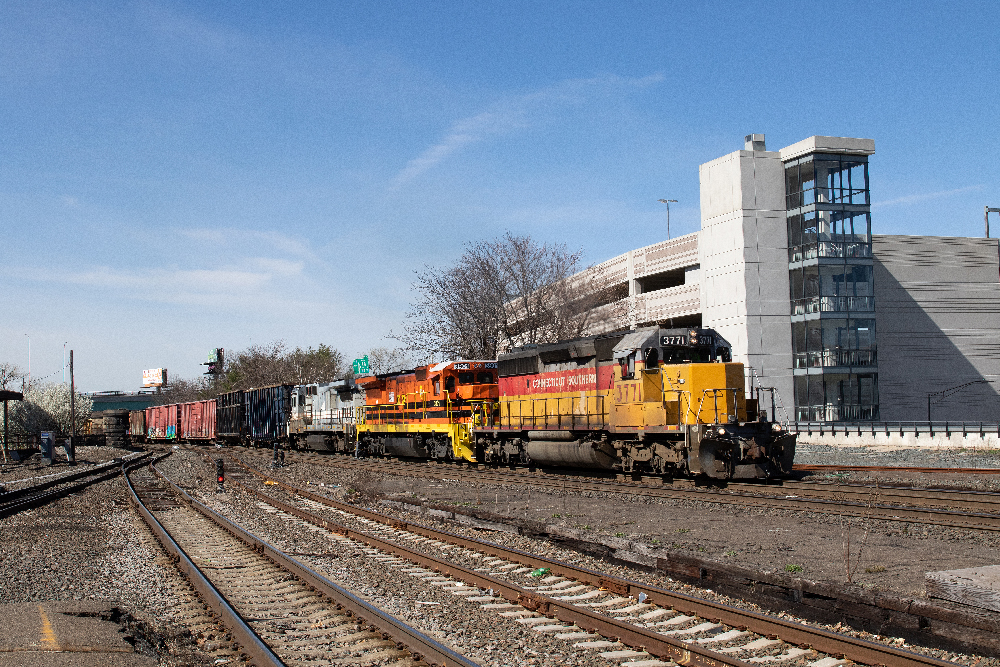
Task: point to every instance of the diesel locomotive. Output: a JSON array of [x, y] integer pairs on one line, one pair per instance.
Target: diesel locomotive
[[652, 400]]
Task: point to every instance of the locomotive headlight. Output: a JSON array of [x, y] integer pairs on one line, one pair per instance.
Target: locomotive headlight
[[722, 431], [776, 427]]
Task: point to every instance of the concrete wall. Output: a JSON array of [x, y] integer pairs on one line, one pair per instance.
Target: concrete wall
[[937, 318], [743, 257], [662, 305]]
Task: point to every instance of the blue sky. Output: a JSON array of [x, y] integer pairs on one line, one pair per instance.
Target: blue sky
[[179, 176]]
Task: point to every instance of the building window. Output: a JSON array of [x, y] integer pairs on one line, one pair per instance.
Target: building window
[[836, 342], [822, 233], [831, 288], [826, 179], [836, 397]]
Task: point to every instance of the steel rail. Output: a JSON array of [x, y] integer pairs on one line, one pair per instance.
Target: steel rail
[[420, 646], [646, 640], [824, 501], [249, 641], [30, 497], [809, 467], [683, 653], [966, 499]]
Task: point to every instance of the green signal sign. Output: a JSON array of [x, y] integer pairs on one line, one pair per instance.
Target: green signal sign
[[361, 366]]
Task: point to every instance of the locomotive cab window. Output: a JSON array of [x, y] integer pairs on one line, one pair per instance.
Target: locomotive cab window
[[449, 383], [628, 366], [437, 387], [484, 378], [651, 358], [466, 378]]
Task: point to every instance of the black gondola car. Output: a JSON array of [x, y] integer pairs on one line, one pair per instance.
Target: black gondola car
[[268, 410], [230, 416]]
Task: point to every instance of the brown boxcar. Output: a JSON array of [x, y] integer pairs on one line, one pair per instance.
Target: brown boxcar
[[197, 421], [137, 425], [161, 422]]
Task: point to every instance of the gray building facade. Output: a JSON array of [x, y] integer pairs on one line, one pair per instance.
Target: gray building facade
[[937, 313], [844, 325]]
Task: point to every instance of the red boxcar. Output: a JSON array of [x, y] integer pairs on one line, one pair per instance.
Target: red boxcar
[[161, 422], [197, 420]]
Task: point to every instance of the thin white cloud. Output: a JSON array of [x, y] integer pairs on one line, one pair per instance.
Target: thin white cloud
[[910, 199], [512, 114], [232, 238]]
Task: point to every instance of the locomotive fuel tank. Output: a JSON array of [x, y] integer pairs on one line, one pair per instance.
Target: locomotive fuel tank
[[562, 448]]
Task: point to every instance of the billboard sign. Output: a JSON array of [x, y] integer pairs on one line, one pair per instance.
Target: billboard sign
[[154, 377]]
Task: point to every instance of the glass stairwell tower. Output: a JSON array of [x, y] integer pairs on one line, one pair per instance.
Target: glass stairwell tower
[[828, 212]]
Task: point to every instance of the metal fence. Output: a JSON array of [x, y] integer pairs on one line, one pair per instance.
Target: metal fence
[[930, 428]]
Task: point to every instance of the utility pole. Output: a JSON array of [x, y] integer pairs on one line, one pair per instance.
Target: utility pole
[[29, 360], [668, 202], [64, 361], [71, 451]]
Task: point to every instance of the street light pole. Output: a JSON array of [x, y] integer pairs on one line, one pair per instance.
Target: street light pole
[[668, 202], [986, 218], [64, 361]]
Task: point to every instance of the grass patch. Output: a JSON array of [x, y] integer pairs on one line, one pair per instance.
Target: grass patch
[[793, 568], [683, 530], [875, 569]]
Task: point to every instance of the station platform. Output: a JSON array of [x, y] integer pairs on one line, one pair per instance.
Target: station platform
[[65, 634]]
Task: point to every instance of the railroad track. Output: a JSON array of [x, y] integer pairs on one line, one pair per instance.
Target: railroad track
[[974, 510], [279, 611], [47, 488], [806, 467], [621, 620]]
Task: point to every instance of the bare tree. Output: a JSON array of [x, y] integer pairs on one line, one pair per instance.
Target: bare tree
[[10, 375], [181, 390], [273, 363], [388, 360], [503, 293]]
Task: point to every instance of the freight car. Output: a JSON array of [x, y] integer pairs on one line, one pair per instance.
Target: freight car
[[185, 422], [162, 423], [254, 417], [428, 412], [661, 401]]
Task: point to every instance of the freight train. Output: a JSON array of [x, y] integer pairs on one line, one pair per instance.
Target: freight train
[[652, 400]]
